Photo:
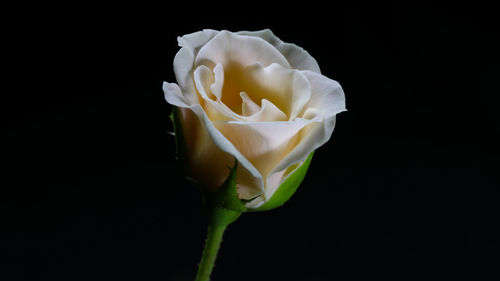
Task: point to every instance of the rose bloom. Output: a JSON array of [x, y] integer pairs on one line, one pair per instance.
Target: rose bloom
[[251, 97]]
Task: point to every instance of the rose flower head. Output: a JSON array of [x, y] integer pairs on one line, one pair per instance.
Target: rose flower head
[[250, 98]]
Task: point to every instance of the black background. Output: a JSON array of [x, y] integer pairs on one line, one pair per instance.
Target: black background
[[407, 188]]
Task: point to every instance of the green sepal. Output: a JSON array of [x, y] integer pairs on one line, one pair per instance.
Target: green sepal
[[287, 188], [224, 206], [227, 196], [221, 217], [180, 141]]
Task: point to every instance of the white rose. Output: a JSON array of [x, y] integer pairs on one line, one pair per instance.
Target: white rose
[[251, 97]]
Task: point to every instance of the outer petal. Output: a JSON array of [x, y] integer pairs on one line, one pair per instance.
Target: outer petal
[[173, 95], [210, 153], [233, 50], [184, 61], [316, 133], [264, 144], [327, 100], [194, 41], [296, 56]]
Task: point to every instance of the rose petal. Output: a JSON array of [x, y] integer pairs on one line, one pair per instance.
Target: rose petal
[[327, 100], [297, 57], [194, 41], [230, 49], [264, 144], [268, 113], [218, 110], [184, 61], [288, 89], [216, 87], [173, 94], [249, 107], [203, 79], [211, 153], [183, 64]]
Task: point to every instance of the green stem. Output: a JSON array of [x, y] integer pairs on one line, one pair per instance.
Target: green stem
[[219, 219], [214, 239]]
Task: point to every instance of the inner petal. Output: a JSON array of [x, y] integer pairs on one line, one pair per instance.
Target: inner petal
[[268, 112], [249, 107], [216, 87], [203, 78], [287, 89], [209, 85]]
